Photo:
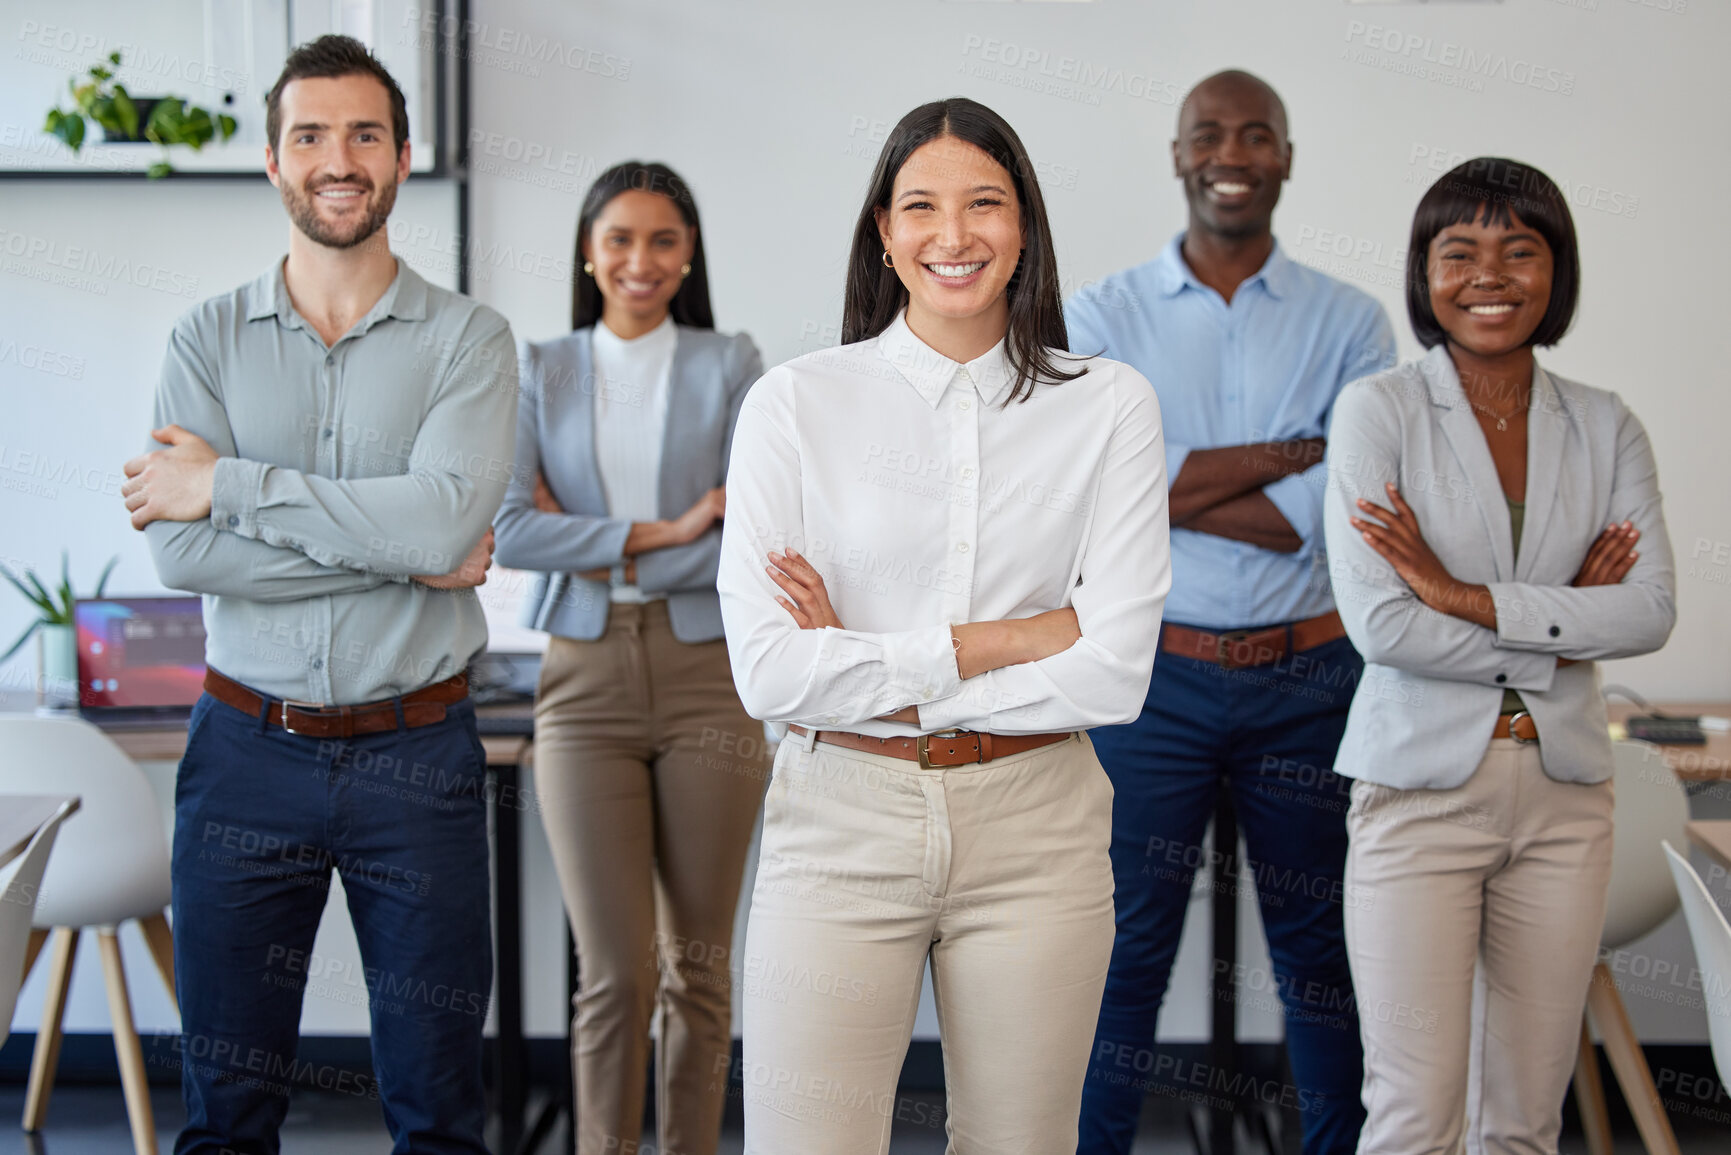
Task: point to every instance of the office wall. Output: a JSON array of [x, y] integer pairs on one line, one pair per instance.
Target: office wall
[[775, 112]]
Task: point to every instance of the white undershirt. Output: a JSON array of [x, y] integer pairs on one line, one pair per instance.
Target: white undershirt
[[632, 380]]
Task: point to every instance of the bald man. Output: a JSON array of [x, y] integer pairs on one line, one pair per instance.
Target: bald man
[[1247, 350]]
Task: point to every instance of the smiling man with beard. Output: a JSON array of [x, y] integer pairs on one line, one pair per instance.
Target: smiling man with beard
[[332, 442], [1247, 350]]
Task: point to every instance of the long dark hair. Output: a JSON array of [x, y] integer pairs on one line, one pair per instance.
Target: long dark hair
[[875, 294], [690, 305]]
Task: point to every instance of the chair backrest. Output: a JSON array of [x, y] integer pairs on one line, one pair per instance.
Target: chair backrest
[[113, 859], [1712, 937], [1651, 807], [20, 884]]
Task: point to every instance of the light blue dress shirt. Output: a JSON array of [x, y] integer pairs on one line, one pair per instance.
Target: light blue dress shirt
[[1267, 367]]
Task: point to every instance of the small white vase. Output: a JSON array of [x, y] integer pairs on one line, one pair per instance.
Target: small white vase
[[57, 658]]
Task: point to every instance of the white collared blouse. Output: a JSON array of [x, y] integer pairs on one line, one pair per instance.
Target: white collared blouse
[[924, 500]]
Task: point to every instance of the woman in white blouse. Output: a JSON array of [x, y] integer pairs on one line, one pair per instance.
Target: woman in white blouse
[[987, 516], [648, 772]]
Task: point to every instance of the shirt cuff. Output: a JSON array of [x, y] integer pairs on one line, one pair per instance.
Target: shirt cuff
[[1175, 455], [922, 663], [1298, 497], [234, 490], [1523, 623]]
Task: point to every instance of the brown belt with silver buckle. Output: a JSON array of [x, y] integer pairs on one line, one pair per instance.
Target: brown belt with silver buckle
[[311, 720], [945, 748], [1241, 649], [1519, 726]]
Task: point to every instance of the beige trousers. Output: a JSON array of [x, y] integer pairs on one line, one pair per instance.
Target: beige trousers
[[649, 774], [999, 874], [1508, 872]]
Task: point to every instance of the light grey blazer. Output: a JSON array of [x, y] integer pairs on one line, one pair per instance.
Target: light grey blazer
[[1433, 684], [556, 437]]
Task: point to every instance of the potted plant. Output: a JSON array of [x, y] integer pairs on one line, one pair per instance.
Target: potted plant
[[57, 645], [164, 120]]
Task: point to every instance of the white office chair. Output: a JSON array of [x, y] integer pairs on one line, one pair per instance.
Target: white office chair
[[20, 883], [111, 865], [1712, 937], [1651, 807]]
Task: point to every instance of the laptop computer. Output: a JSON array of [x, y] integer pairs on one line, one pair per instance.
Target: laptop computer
[[140, 660]]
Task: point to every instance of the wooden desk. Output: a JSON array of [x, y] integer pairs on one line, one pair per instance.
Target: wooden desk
[[1709, 763], [1714, 837], [168, 743], [22, 815]]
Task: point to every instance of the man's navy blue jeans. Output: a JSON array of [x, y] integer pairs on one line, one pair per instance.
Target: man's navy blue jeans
[[1272, 732], [262, 817]]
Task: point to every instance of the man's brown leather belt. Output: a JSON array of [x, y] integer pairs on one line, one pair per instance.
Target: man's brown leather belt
[[309, 719], [945, 748], [1519, 726], [1241, 649]]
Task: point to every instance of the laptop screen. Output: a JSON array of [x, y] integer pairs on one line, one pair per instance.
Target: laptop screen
[[139, 651]]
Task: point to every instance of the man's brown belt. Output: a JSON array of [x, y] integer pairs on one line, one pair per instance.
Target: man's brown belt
[[945, 748], [1241, 649], [421, 708]]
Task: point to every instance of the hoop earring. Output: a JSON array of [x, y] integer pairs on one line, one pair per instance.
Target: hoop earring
[[589, 267], [888, 264], [685, 269]]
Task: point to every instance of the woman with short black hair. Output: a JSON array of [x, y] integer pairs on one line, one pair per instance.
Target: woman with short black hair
[[1494, 531], [987, 516]]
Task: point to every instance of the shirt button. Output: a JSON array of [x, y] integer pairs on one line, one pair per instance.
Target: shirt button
[[1556, 632], [967, 473], [1501, 678], [962, 547], [964, 404], [329, 433], [233, 519], [318, 663]]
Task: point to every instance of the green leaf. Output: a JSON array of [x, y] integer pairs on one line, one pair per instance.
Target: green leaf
[[103, 111], [101, 73], [127, 111], [102, 582], [225, 123], [74, 133], [114, 58], [18, 585], [42, 597], [159, 170], [22, 638], [85, 95], [63, 614], [164, 121]]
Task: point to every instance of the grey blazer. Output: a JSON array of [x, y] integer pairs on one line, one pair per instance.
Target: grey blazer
[[1432, 683], [556, 437]]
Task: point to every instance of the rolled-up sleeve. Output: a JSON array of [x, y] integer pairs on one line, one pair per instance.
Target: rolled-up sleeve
[[1126, 573], [422, 522], [193, 555], [822, 677]]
